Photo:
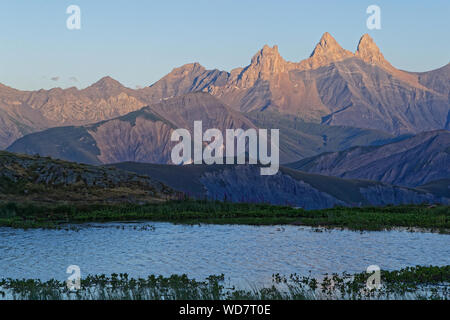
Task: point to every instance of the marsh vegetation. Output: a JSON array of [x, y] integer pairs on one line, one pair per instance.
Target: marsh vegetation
[[410, 283], [413, 217]]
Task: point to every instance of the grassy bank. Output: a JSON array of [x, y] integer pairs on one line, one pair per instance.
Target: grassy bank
[[410, 283], [192, 212]]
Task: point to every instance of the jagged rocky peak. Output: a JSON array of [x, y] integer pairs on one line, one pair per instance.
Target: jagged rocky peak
[[369, 52], [326, 51], [266, 52], [269, 60], [327, 45], [264, 64]]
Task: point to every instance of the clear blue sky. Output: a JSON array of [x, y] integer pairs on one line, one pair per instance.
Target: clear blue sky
[[137, 42]]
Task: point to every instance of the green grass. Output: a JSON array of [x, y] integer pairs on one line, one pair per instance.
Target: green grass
[[373, 218], [214, 212], [421, 282]]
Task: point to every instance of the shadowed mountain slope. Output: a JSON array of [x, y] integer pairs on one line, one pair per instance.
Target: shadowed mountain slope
[[410, 162], [300, 139], [243, 183], [144, 135]]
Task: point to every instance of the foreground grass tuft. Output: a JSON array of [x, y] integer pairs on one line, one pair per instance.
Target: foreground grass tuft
[[410, 283]]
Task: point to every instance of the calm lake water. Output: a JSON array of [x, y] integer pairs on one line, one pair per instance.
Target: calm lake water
[[245, 254]]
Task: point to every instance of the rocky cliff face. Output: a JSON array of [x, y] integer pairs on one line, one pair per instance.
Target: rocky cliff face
[[105, 99], [333, 86], [369, 52], [144, 140], [17, 120], [410, 162], [264, 65], [438, 80], [243, 183], [326, 52]]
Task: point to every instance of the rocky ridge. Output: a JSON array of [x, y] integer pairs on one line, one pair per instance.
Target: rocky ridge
[[39, 179]]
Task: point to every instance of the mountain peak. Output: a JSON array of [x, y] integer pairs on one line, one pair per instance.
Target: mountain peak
[[267, 49], [191, 67], [185, 69], [106, 83], [326, 43], [330, 48], [266, 55], [369, 52], [326, 51], [264, 64]]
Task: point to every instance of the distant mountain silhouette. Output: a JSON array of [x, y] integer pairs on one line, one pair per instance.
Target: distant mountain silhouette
[[23, 112]]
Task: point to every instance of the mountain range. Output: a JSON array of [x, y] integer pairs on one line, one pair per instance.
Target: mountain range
[[24, 112], [144, 135], [354, 130], [333, 86]]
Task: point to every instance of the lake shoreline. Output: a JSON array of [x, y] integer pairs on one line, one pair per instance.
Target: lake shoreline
[[414, 218]]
